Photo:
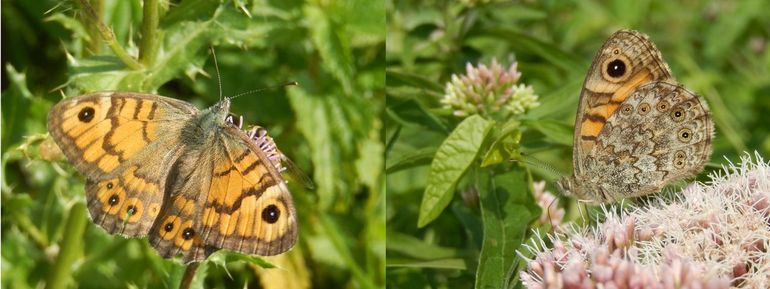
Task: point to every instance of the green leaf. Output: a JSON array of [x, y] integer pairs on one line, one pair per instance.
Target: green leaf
[[332, 45], [507, 208], [453, 158], [412, 112], [416, 248], [452, 263], [505, 146], [549, 51], [411, 159], [395, 79], [555, 131]]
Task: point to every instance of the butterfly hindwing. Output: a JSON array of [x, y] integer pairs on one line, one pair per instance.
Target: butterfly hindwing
[[661, 133], [242, 204]]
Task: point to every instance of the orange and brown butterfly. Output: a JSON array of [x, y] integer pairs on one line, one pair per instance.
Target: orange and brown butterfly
[[190, 179], [636, 128]]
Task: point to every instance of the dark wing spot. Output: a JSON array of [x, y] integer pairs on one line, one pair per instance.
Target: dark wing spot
[[188, 233], [168, 227], [271, 214], [114, 199], [86, 114], [616, 68]]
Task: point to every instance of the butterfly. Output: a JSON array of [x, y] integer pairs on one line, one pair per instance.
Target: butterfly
[[636, 129], [190, 179]]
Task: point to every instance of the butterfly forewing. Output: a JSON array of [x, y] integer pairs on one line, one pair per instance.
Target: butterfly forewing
[[114, 140], [627, 60]]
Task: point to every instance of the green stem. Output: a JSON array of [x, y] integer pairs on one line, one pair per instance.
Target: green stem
[[339, 244], [189, 273], [26, 225], [70, 246], [109, 36], [150, 19]]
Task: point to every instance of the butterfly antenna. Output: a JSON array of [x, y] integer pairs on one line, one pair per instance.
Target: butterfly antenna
[[288, 83], [216, 65], [532, 161]]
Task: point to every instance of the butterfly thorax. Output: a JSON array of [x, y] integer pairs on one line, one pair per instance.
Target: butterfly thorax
[[214, 116]]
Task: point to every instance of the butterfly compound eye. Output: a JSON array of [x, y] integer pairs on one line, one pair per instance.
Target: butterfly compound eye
[[616, 68]]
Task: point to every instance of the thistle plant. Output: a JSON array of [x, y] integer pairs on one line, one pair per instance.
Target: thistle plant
[[713, 235], [489, 91]]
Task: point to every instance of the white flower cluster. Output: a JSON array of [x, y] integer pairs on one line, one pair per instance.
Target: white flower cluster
[[710, 236], [486, 90]]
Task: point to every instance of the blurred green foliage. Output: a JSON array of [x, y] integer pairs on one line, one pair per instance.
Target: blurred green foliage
[[718, 49], [328, 125]]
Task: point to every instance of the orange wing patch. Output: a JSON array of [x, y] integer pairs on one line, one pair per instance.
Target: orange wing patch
[[603, 106], [107, 131]]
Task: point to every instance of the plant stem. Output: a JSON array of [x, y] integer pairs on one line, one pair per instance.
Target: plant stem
[[149, 48], [109, 36], [344, 251], [189, 273], [71, 244]]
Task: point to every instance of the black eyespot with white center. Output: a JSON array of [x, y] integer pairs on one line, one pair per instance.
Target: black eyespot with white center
[[271, 214], [626, 109], [114, 199], [644, 108], [678, 114], [131, 210], [168, 227], [685, 135], [109, 185], [616, 68], [188, 234], [86, 114]]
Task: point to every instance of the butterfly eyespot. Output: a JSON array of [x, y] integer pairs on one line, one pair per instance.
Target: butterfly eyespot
[[685, 135], [616, 68], [679, 155], [679, 164], [86, 114], [114, 199], [271, 214], [627, 109], [188, 234], [644, 108], [109, 185], [168, 227], [131, 210], [662, 105], [616, 51], [678, 114]]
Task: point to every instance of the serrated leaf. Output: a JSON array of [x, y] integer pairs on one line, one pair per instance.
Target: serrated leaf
[[332, 45], [453, 158], [507, 208]]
